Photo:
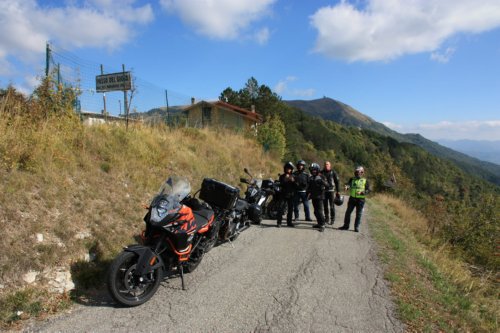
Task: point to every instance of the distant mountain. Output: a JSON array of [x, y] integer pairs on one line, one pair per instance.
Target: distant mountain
[[341, 113], [481, 149], [344, 114]]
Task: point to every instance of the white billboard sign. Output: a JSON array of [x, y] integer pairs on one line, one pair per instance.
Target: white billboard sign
[[112, 82]]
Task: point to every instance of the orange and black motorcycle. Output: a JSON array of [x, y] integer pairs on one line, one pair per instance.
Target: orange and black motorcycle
[[179, 231]]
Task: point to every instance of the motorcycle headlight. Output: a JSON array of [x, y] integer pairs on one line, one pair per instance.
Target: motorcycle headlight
[[162, 208]]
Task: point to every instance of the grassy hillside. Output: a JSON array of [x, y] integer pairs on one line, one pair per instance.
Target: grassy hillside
[[343, 114], [69, 193], [433, 291]]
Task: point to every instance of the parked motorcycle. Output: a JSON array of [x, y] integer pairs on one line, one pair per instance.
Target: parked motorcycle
[[257, 195], [179, 231], [275, 204], [233, 213]]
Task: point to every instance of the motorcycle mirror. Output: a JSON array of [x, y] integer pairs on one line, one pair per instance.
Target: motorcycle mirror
[[247, 172]]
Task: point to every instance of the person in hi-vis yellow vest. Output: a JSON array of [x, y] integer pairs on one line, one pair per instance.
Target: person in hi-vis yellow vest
[[358, 188]]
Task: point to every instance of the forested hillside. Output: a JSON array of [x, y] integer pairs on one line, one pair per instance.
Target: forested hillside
[[462, 209], [330, 109]]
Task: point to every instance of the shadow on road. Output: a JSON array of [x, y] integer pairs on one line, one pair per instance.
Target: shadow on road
[[89, 279]]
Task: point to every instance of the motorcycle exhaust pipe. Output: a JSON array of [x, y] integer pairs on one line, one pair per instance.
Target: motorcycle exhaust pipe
[[243, 229]]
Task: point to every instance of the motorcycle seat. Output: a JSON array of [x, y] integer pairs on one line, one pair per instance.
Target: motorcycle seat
[[204, 213], [202, 217]]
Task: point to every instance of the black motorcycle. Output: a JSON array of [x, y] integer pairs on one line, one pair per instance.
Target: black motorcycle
[[275, 203], [257, 195], [232, 212]]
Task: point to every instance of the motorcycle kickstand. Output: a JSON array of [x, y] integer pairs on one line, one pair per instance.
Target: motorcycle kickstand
[[231, 243], [181, 269]]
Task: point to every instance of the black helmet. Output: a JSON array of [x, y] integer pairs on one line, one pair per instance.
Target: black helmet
[[314, 167], [301, 162], [339, 200], [288, 165]]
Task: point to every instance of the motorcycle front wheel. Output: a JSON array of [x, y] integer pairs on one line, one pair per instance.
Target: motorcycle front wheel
[[125, 287]]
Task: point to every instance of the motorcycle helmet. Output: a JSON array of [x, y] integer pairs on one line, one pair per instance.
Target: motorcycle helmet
[[314, 167], [301, 162], [288, 165], [339, 200]]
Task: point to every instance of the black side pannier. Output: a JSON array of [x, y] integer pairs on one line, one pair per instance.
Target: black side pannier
[[218, 194]]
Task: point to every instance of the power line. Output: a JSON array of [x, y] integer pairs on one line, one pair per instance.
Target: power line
[[80, 73]]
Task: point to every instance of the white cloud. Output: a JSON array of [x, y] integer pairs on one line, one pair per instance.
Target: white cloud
[[453, 130], [282, 85], [262, 36], [393, 126], [387, 29], [221, 19], [282, 88], [443, 57], [28, 24]]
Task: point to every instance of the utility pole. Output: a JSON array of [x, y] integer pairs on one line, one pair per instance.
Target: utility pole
[[125, 102], [58, 76], [47, 59], [168, 115], [104, 97]]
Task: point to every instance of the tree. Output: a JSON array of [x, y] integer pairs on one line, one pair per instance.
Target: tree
[[271, 136], [230, 96]]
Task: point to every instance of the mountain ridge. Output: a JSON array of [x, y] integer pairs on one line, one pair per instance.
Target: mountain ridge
[[341, 113]]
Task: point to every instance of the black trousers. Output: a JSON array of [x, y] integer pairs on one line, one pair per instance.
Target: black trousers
[[318, 211], [329, 205], [289, 205], [351, 204]]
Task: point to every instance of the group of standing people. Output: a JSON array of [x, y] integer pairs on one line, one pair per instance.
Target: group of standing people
[[321, 186]]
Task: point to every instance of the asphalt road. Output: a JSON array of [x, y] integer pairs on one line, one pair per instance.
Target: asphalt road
[[268, 280]]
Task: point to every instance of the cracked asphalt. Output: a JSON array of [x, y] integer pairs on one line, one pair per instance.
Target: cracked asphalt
[[268, 280]]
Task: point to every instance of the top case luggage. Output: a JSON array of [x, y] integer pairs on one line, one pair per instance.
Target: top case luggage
[[218, 194]]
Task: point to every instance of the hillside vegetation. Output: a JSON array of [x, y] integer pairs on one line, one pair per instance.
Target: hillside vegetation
[[330, 109], [70, 194], [433, 291], [462, 210]]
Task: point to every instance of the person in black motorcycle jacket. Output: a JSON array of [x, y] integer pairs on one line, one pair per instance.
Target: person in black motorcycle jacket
[[288, 188], [316, 192], [301, 178], [331, 192]]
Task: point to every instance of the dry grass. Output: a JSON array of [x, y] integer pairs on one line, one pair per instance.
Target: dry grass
[[82, 187], [434, 290]]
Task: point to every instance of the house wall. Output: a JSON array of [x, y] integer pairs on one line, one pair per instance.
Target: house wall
[[194, 118], [220, 117]]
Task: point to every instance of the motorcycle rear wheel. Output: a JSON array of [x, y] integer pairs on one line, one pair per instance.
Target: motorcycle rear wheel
[[125, 287], [274, 208]]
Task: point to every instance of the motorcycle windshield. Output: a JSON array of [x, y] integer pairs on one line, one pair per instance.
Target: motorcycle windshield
[[175, 188]]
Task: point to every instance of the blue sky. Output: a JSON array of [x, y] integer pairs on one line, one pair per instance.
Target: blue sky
[[426, 66]]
